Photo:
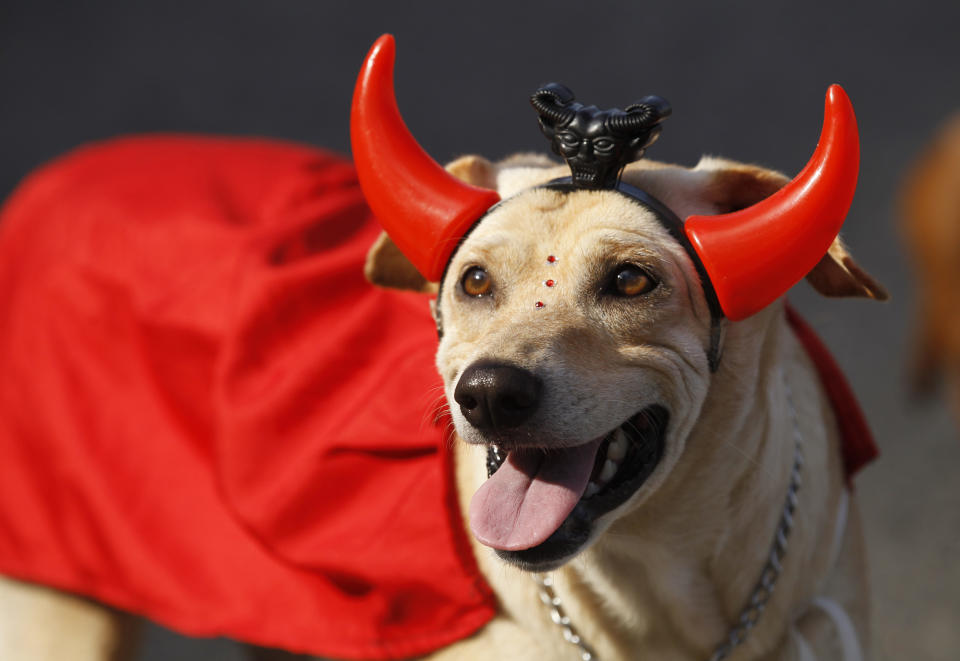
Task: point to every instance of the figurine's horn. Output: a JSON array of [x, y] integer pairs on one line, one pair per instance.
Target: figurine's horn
[[424, 209], [753, 256], [550, 102], [642, 115]]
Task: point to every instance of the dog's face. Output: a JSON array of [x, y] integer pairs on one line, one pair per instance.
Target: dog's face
[[575, 335]]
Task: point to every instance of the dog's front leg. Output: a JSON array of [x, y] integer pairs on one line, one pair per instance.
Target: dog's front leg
[[41, 624]]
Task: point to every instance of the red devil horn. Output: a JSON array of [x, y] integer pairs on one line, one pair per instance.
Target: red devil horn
[[753, 256], [424, 209]]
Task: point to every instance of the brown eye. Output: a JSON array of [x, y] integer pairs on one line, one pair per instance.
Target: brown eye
[[632, 280], [476, 282]]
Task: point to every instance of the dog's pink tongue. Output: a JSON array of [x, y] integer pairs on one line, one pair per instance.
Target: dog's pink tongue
[[530, 495]]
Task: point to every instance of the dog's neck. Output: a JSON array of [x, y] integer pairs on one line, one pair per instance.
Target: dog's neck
[[671, 577]]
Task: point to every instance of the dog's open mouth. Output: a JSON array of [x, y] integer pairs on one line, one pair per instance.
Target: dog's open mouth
[[538, 507]]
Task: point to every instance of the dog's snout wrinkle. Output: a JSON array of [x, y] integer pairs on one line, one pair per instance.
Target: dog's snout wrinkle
[[496, 396]]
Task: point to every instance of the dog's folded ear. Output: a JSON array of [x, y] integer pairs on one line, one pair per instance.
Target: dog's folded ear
[[735, 186], [386, 266], [837, 274], [474, 170]]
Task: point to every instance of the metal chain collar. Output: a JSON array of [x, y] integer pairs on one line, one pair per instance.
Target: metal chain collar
[[761, 593], [552, 601]]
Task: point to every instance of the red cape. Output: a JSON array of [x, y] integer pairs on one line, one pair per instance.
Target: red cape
[[208, 417]]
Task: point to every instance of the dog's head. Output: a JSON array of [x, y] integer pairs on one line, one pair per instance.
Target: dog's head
[[580, 326], [575, 342]]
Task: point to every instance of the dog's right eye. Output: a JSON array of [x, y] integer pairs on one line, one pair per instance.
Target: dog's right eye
[[476, 282]]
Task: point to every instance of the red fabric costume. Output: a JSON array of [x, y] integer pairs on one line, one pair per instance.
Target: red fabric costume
[[208, 417]]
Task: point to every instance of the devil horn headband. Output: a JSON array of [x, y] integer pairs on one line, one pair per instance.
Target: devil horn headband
[[751, 257]]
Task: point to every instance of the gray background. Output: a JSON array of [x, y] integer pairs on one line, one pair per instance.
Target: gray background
[[746, 80]]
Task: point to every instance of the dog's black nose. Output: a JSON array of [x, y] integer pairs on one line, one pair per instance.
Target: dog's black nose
[[497, 396]]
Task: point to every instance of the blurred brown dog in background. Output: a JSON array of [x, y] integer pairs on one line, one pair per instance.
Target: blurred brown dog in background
[[930, 223]]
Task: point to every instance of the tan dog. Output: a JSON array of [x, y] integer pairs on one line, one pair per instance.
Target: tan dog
[[660, 556]]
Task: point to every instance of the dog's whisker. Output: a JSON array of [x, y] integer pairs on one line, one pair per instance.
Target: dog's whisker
[[437, 409]]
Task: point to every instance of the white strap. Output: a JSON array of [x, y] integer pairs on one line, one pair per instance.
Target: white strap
[[849, 642]]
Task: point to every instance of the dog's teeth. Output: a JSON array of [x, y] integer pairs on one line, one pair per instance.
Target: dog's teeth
[[592, 488], [617, 449], [609, 470]]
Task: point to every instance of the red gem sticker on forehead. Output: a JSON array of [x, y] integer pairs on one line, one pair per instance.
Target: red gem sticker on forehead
[[551, 259]]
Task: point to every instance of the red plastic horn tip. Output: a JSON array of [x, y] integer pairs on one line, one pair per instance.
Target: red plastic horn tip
[[753, 256], [424, 209]]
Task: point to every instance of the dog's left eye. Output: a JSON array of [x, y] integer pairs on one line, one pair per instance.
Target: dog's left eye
[[476, 282], [630, 280]]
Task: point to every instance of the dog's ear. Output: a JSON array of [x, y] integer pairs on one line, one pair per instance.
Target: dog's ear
[[837, 274], [474, 170], [386, 266], [735, 186]]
